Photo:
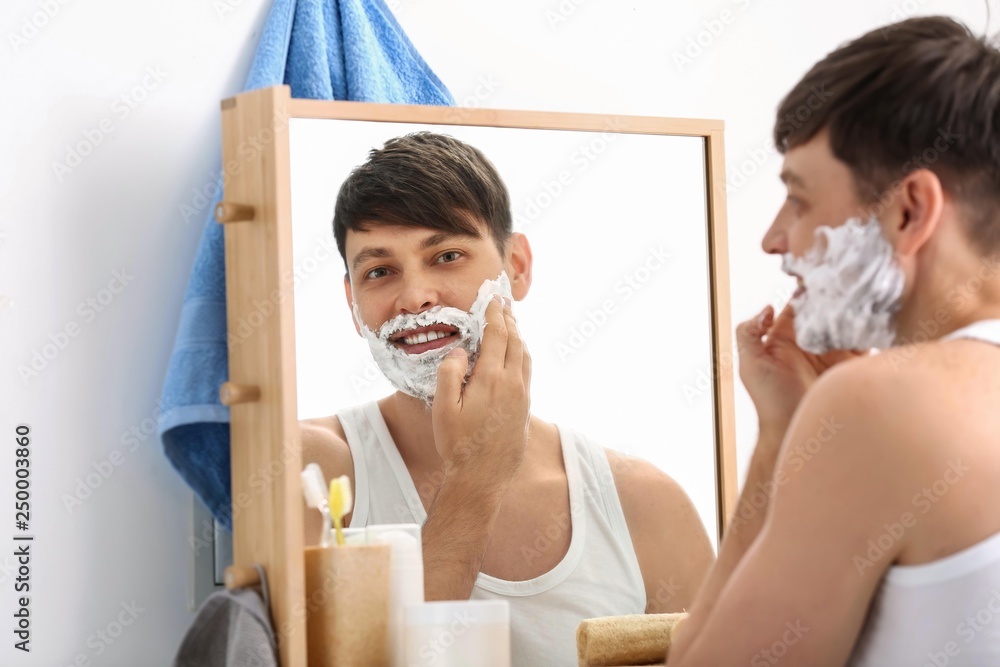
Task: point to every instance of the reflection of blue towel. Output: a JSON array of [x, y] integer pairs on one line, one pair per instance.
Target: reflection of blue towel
[[323, 49]]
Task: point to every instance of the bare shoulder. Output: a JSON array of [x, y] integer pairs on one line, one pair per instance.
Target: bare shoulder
[[324, 426], [641, 484], [653, 502], [324, 442], [670, 541], [907, 390], [891, 425]]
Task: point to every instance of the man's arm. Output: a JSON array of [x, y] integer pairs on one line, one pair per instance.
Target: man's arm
[[743, 528], [799, 588], [481, 433], [777, 374], [456, 536], [670, 540]]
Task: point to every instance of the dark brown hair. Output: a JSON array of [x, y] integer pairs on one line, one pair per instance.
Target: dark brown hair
[[921, 93], [427, 180]]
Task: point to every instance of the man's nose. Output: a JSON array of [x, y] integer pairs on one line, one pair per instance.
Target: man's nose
[[416, 296], [775, 241]]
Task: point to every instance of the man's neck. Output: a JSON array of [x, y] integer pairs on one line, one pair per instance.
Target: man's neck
[[954, 299], [409, 422]]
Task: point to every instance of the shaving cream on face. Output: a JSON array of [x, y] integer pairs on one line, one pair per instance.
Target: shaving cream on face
[[416, 374], [853, 289]]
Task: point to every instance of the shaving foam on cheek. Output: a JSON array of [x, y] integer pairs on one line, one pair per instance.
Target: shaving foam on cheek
[[853, 289], [416, 374]]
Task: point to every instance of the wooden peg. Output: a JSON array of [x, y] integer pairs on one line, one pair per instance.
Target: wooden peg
[[231, 393], [238, 576], [227, 211]]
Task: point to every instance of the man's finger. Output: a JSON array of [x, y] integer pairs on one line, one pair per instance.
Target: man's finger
[[494, 346], [750, 334], [784, 324], [515, 346], [451, 374]]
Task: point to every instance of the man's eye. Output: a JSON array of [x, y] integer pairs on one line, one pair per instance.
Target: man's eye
[[450, 253], [371, 274], [794, 201]]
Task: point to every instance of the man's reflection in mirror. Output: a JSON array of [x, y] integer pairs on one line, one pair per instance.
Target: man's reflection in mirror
[[512, 507]]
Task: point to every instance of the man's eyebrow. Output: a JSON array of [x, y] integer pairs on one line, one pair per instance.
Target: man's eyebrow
[[441, 237], [368, 253], [789, 177]]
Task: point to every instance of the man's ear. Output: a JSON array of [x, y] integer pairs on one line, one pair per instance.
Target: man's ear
[[350, 301], [518, 265], [919, 205]]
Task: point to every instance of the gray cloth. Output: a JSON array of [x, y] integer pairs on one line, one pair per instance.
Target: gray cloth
[[231, 629]]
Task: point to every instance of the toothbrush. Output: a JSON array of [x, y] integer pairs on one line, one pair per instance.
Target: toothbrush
[[313, 487], [341, 501]]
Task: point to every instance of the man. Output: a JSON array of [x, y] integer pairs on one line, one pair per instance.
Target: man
[[424, 227], [867, 532]]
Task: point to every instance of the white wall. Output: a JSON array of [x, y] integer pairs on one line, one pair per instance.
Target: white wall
[[62, 236]]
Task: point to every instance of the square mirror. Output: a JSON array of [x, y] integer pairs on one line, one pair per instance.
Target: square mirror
[[626, 319]]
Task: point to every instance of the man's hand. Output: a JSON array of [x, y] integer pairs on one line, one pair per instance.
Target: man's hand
[[776, 371], [481, 429], [481, 432]]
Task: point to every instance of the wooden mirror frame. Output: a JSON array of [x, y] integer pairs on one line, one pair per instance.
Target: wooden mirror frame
[[264, 427]]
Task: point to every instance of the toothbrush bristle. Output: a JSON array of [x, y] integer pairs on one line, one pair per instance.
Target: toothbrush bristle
[[313, 485], [348, 494], [341, 498]]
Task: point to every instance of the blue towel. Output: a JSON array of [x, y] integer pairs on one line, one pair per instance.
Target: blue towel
[[323, 49]]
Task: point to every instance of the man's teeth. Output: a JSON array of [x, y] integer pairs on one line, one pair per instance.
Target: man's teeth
[[425, 337]]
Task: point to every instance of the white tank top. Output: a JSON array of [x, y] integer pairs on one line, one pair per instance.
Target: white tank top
[[599, 575], [946, 612]]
